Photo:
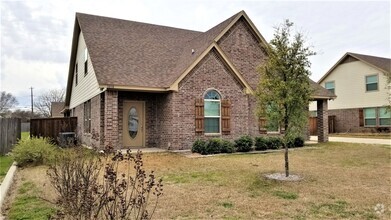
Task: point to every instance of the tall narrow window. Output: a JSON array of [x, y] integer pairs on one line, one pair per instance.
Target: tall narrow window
[[384, 116], [85, 62], [87, 116], [330, 86], [212, 112], [76, 74], [370, 117], [371, 83]]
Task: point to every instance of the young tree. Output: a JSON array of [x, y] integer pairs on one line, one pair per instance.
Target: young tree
[[7, 101], [44, 102], [284, 90]]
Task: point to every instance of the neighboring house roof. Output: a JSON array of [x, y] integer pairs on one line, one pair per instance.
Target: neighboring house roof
[[132, 55], [381, 63], [56, 109]]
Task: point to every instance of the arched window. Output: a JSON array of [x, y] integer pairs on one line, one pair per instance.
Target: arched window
[[212, 111]]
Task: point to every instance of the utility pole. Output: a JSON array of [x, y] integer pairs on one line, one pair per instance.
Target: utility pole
[[32, 102]]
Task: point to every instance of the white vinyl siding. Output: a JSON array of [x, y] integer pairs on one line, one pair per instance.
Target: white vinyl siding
[[87, 86], [350, 78]]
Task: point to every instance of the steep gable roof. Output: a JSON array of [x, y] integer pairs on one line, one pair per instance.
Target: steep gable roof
[[381, 63]]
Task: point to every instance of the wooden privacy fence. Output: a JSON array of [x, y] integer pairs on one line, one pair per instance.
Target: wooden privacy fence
[[51, 127], [9, 133], [313, 125]]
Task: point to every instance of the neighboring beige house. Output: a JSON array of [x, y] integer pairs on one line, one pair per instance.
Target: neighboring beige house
[[360, 84]]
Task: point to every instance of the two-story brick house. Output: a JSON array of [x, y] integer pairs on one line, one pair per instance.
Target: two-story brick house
[[360, 83], [133, 84]]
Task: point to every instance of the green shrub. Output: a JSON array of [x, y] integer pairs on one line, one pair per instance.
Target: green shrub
[[297, 142], [199, 146], [274, 142], [244, 144], [35, 151], [227, 146], [261, 143], [214, 146]]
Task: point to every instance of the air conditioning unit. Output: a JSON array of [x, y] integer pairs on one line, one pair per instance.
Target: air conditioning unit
[[67, 139]]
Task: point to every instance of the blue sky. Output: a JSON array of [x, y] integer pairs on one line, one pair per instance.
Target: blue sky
[[36, 35]]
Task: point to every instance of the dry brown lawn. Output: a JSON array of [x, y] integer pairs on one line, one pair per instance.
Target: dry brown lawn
[[341, 180]]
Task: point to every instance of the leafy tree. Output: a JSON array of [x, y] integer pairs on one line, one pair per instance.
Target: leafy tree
[[284, 90], [7, 101], [44, 102]]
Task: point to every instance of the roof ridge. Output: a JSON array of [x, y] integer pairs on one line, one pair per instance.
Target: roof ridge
[[351, 53], [137, 22]]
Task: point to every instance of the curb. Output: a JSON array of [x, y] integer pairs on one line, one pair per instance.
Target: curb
[[5, 185]]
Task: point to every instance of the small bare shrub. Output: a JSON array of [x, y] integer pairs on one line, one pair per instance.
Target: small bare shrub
[[84, 193]]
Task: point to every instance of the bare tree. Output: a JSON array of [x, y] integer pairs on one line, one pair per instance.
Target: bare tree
[[43, 104], [7, 101]]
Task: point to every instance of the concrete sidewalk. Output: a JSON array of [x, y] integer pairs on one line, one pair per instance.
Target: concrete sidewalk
[[355, 140]]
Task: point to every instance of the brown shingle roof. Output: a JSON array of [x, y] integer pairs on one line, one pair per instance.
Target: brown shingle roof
[[128, 53], [318, 92], [379, 62]]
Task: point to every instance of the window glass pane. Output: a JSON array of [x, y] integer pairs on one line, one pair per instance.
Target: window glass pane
[[385, 121], [329, 85], [212, 125], [370, 122], [372, 87], [371, 79], [212, 108], [331, 90], [369, 113], [384, 112], [212, 94]]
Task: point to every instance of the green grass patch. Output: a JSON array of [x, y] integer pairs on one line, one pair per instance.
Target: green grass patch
[[332, 209], [5, 164], [25, 135], [285, 195], [28, 204], [226, 205], [190, 177], [260, 185]]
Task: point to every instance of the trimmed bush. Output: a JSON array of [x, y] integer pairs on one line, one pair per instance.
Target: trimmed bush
[[297, 142], [274, 143], [35, 151], [199, 146], [261, 143], [244, 144], [214, 146], [227, 146]]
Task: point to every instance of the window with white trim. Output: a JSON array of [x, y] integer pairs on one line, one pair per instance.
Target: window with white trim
[[384, 116], [377, 117], [87, 116], [76, 74], [85, 61], [212, 112], [330, 86], [370, 117], [371, 83]]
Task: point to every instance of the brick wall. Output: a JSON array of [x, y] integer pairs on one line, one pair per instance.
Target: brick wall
[[111, 128], [210, 73], [323, 125], [243, 50], [96, 125], [348, 121]]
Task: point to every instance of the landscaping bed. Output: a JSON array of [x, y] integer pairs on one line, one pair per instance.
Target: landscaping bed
[[340, 180]]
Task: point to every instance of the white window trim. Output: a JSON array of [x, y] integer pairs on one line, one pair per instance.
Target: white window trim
[[371, 126], [378, 116], [333, 81], [377, 82], [219, 117]]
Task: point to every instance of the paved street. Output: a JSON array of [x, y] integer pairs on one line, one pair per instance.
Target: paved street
[[355, 140]]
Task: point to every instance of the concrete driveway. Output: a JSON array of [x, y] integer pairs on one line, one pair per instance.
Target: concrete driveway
[[355, 140]]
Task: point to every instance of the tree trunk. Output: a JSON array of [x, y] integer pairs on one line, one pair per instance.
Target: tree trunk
[[286, 148]]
